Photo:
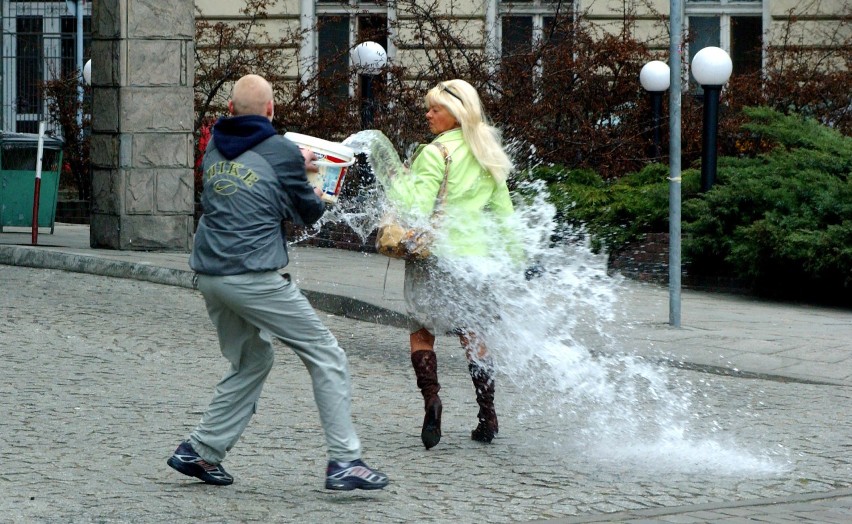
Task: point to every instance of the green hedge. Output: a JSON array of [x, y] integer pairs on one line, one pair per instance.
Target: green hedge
[[613, 212], [780, 221]]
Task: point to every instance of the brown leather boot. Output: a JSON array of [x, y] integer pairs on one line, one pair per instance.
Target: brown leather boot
[[483, 381], [425, 365]]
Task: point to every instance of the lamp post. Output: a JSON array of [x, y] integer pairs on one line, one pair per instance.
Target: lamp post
[[75, 7], [711, 68], [655, 78], [369, 59], [676, 31]]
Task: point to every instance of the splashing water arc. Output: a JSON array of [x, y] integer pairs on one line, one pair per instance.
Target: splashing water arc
[[554, 338]]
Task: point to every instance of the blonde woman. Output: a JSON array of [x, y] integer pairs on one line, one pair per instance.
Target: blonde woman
[[450, 300]]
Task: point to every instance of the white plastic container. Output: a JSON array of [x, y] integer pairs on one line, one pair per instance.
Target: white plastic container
[[333, 159]]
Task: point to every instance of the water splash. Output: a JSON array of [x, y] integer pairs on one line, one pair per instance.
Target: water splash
[[551, 326], [363, 212]]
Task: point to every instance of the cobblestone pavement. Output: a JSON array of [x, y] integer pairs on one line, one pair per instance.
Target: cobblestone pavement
[[104, 376]]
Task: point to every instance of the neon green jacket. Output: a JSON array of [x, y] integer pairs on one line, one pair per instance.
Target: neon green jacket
[[476, 209]]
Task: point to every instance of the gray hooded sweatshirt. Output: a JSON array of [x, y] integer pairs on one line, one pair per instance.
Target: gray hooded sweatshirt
[[254, 180]]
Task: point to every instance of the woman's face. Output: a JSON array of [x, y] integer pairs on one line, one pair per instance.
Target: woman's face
[[440, 119]]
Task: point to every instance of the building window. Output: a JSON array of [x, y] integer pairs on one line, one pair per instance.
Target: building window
[[524, 25], [526, 22], [69, 42], [517, 36], [340, 26], [735, 26], [747, 43], [29, 71], [39, 45], [332, 58]]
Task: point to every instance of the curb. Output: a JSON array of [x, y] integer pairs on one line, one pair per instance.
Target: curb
[[38, 258], [356, 309], [43, 259], [649, 515]]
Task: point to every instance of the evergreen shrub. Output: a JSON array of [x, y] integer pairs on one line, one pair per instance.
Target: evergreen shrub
[[779, 222]]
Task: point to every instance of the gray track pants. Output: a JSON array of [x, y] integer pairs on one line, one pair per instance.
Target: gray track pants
[[247, 311]]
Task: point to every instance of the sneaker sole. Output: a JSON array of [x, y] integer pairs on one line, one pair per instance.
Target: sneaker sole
[[191, 470], [349, 486]]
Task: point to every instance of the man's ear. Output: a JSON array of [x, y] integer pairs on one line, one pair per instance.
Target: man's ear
[[231, 106], [270, 110]]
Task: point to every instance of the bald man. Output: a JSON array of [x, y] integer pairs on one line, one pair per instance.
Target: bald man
[[254, 180]]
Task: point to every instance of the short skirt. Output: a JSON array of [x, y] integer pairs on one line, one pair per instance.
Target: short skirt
[[449, 297]]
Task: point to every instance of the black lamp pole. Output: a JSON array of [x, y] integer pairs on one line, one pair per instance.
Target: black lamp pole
[[368, 102], [708, 140], [656, 112]]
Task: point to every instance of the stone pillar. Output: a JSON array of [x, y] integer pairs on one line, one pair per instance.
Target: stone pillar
[[142, 115]]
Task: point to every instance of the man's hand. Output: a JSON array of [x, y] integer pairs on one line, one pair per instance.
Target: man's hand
[[310, 166], [310, 158]]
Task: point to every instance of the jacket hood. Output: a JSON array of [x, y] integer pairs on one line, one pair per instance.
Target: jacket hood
[[237, 134]]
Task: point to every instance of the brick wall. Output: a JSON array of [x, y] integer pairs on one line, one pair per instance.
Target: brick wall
[[646, 260], [70, 211], [337, 236]]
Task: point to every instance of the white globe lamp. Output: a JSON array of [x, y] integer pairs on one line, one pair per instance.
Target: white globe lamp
[[712, 66], [369, 58], [87, 73], [655, 76]]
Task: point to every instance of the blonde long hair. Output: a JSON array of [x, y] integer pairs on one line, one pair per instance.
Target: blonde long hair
[[484, 140]]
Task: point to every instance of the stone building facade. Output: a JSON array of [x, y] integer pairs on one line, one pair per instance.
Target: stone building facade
[[744, 28]]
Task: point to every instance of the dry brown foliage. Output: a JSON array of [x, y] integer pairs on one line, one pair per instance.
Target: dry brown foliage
[[63, 104], [572, 98]]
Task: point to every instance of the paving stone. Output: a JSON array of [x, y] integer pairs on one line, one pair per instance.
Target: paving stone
[[104, 376]]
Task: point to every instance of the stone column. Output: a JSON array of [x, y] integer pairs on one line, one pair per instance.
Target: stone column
[[142, 115]]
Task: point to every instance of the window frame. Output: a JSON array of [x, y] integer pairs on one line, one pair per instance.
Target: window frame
[[538, 10], [312, 10], [725, 10]]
